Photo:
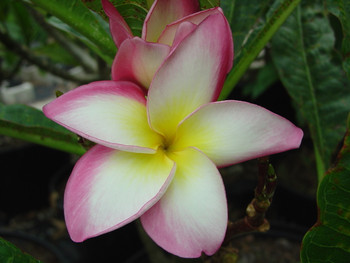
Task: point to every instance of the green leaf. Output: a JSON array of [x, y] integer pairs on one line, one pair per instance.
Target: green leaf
[[26, 123], [24, 21], [149, 3], [11, 254], [329, 239], [57, 23], [134, 12], [243, 16], [302, 51], [254, 42], [206, 4], [56, 53], [19, 23], [134, 15], [81, 19], [341, 9], [265, 78]]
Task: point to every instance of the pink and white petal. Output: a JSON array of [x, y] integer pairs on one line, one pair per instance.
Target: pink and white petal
[[119, 28], [191, 217], [192, 75], [109, 188], [164, 12], [168, 35], [183, 30], [138, 61], [230, 132], [110, 113]]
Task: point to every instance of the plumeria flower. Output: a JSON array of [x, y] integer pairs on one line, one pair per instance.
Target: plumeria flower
[[166, 25], [156, 156]]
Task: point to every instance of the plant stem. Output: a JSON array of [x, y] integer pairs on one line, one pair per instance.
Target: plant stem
[[85, 61], [42, 63], [254, 47], [255, 220]]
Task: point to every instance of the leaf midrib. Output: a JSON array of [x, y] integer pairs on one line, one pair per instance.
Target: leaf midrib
[[319, 134]]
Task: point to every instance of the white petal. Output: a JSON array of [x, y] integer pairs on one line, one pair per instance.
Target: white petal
[[191, 76], [111, 113], [229, 132], [191, 217], [110, 188]]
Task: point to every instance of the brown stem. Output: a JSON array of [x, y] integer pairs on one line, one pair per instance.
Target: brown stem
[[255, 220], [73, 50], [42, 63]]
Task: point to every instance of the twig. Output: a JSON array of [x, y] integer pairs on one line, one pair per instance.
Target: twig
[[42, 63], [255, 220], [75, 51]]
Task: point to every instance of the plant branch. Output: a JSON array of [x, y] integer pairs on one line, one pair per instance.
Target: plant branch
[[255, 220], [74, 50], [42, 63]]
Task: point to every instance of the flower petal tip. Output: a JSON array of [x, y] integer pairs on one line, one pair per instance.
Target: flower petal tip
[[119, 28], [296, 138]]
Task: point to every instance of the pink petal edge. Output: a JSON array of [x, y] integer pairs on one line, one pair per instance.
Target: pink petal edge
[[138, 60], [119, 28], [164, 12], [170, 30], [191, 217], [66, 110], [92, 209], [192, 75], [237, 131]]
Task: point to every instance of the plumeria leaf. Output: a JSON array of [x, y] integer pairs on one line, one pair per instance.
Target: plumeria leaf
[[265, 78], [26, 123], [341, 9], [11, 254], [329, 239], [134, 12], [57, 23], [243, 17], [250, 38], [206, 4], [55, 52], [302, 51], [82, 20], [21, 23]]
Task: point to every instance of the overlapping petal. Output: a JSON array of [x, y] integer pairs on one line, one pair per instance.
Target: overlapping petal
[[229, 132], [168, 35], [165, 12], [191, 76], [183, 30], [191, 217], [107, 112], [119, 28], [109, 188], [138, 60]]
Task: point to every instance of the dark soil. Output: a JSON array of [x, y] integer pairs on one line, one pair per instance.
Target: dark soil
[[263, 249]]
